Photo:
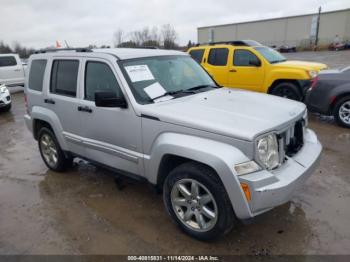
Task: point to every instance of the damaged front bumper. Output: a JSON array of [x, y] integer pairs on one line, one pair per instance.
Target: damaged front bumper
[[272, 188]]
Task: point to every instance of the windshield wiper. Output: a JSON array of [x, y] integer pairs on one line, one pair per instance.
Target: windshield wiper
[[201, 87], [278, 61], [171, 93]]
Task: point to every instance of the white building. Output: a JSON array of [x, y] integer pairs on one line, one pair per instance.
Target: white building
[[294, 30]]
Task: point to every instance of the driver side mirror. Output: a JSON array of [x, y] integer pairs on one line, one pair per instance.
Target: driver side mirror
[[256, 63], [109, 99]]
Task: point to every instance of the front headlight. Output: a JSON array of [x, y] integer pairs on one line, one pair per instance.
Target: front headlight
[[312, 73], [3, 89], [267, 151]]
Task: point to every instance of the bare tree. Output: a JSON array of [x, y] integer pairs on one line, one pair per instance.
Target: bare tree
[[118, 37], [169, 36]]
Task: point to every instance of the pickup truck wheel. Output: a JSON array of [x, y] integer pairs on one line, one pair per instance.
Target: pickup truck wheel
[[287, 90], [51, 151], [197, 201], [342, 111]]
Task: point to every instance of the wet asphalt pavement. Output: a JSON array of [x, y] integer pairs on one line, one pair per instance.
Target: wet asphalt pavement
[[83, 212]]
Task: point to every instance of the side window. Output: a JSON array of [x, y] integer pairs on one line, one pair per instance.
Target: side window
[[99, 78], [243, 58], [218, 56], [64, 77], [7, 61], [197, 55], [36, 75]]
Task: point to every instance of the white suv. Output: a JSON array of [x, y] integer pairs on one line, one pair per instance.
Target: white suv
[[12, 71], [217, 154]]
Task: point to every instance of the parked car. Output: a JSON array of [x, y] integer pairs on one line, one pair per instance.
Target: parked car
[[11, 70], [217, 154], [287, 49], [251, 66], [5, 98], [337, 46], [330, 95]]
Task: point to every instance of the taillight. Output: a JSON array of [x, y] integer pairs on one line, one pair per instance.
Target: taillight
[[26, 104], [314, 82]]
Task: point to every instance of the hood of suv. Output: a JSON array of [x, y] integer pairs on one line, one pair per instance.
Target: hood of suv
[[230, 112], [301, 65]]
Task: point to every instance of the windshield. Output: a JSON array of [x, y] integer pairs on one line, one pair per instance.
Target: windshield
[[153, 77], [272, 56]]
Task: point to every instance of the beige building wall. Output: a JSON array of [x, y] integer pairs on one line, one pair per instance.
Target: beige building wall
[[293, 30]]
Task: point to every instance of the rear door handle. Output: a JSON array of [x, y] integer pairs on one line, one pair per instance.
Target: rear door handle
[[233, 71], [85, 109], [17, 70], [49, 101]]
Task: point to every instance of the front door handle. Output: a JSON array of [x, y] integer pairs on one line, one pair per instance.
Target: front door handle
[[85, 109], [233, 71], [49, 101]]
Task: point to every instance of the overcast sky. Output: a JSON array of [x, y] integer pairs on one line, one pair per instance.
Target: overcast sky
[[39, 23]]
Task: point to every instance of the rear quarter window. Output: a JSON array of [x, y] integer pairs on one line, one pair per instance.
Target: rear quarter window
[[7, 61], [36, 74], [197, 55]]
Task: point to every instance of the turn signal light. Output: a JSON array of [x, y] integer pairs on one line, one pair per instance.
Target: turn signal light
[[246, 191]]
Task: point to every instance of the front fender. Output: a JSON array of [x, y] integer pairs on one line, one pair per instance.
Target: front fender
[[44, 114], [219, 156], [290, 74]]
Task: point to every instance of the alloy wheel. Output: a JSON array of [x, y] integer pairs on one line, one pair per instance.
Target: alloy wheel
[[49, 150], [344, 112], [194, 205]]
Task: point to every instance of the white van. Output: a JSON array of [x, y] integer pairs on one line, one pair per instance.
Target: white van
[[11, 70]]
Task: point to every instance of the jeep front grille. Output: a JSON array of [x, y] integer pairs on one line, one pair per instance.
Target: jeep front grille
[[291, 140]]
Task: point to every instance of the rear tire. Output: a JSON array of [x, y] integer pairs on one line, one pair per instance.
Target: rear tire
[[287, 90], [206, 213], [342, 112], [51, 151]]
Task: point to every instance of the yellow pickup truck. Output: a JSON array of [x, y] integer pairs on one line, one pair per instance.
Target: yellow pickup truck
[[250, 65]]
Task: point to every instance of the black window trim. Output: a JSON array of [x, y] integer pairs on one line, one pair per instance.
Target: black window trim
[[100, 62], [240, 49], [51, 73], [9, 56], [44, 74], [201, 50], [215, 48]]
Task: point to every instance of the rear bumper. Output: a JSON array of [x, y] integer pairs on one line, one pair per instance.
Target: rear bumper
[[315, 104], [271, 189]]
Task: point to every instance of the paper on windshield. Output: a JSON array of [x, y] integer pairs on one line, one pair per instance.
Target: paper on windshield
[[154, 90], [139, 73]]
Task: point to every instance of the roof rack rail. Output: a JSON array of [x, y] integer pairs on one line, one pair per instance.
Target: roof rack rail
[[49, 50], [235, 43]]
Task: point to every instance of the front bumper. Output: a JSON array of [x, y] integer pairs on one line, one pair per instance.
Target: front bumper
[[272, 188]]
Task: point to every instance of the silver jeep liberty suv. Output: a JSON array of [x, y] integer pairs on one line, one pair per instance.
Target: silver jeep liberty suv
[[217, 154]]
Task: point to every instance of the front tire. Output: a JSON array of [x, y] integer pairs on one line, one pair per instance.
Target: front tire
[[287, 90], [342, 112], [51, 151], [6, 108], [197, 201]]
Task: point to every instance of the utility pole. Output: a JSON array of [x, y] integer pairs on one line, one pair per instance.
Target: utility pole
[[318, 26]]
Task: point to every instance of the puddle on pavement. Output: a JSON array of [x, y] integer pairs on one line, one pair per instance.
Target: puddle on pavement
[[82, 211]]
